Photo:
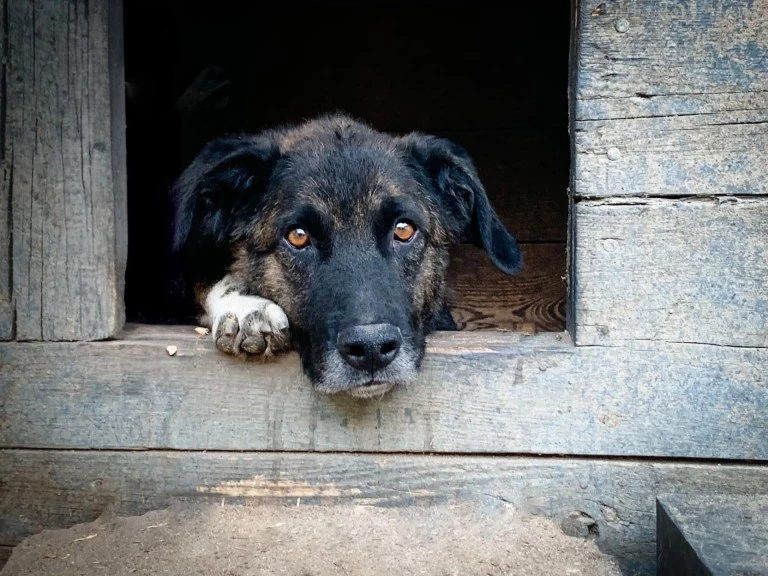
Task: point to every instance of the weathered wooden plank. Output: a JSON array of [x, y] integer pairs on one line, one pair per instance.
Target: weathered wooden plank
[[637, 59], [674, 271], [68, 214], [712, 535], [6, 294], [119, 168], [670, 99], [52, 489], [478, 393], [482, 297], [723, 153], [6, 306]]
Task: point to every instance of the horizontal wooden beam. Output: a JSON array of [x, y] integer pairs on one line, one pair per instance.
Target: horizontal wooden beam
[[490, 392], [51, 489], [672, 271], [636, 59], [723, 153]]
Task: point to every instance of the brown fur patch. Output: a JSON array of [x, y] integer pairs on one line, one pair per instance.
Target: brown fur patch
[[291, 138], [264, 232], [429, 285], [274, 284]]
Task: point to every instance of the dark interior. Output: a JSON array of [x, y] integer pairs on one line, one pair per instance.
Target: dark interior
[[492, 78]]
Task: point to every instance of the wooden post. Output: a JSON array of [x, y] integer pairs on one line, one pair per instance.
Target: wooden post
[[64, 153]]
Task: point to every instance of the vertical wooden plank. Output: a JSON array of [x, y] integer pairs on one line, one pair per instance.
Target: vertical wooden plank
[[6, 295], [570, 254], [68, 215], [119, 154]]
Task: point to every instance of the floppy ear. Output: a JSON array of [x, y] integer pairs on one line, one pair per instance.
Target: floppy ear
[[447, 170], [227, 175]]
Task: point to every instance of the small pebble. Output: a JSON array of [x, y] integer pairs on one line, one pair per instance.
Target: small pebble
[[171, 350], [202, 331]]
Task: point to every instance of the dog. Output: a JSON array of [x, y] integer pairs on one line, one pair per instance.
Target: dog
[[332, 237]]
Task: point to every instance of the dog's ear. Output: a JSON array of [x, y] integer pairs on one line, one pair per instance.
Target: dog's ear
[[448, 172], [227, 174]]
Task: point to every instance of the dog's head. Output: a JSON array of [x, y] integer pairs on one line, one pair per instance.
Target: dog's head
[[348, 230]]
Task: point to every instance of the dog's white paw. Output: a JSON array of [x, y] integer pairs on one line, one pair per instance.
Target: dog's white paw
[[242, 324]]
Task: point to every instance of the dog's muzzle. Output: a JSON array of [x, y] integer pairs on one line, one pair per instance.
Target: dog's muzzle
[[367, 360]]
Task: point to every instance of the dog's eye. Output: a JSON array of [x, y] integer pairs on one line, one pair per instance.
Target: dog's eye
[[404, 231], [298, 238]]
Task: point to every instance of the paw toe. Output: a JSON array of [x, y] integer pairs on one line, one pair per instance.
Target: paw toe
[[256, 327], [276, 318], [253, 341], [279, 339], [226, 333]]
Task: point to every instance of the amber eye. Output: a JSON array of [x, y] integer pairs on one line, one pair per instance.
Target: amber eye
[[298, 238], [404, 231]]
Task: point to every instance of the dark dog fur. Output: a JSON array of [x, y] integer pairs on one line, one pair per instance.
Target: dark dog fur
[[359, 300]]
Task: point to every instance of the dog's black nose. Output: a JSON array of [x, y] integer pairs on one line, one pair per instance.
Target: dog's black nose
[[370, 347]]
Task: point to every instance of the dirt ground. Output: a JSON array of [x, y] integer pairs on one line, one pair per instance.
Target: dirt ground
[[209, 539]]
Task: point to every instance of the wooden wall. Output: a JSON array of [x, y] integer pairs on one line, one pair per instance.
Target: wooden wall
[[531, 421], [670, 144], [660, 385]]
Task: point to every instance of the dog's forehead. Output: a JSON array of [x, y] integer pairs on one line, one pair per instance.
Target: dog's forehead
[[345, 178]]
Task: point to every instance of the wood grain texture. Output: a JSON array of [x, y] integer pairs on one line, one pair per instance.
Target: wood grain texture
[[64, 84], [672, 271], [670, 99], [482, 297], [478, 393], [119, 167], [638, 59], [6, 304], [712, 535], [6, 293], [53, 489], [723, 153]]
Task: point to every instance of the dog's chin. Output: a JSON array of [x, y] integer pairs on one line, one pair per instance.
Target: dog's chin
[[372, 390], [338, 376]]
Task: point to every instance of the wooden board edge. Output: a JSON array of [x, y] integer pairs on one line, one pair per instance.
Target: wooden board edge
[[477, 393], [6, 216], [116, 59]]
